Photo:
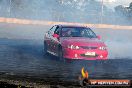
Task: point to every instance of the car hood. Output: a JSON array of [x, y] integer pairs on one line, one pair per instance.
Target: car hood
[[79, 41]]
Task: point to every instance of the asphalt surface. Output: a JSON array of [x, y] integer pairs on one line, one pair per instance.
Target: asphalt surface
[[23, 59]]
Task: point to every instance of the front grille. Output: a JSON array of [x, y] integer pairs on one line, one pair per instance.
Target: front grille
[[89, 47]]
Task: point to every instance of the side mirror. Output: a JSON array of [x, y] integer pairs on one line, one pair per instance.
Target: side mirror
[[99, 37], [56, 36]]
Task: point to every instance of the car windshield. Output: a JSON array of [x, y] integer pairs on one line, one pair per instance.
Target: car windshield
[[77, 32]]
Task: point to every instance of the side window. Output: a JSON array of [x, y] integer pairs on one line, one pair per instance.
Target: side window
[[52, 30], [57, 31]]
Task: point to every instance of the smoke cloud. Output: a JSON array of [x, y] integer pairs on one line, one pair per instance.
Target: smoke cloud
[[84, 11], [119, 42], [119, 49]]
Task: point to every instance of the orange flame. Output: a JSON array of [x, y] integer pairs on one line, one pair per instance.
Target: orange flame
[[84, 73]]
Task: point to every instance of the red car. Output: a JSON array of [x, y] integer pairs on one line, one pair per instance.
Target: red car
[[74, 42]]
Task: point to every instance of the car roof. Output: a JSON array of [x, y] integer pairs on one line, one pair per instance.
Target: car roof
[[73, 26]]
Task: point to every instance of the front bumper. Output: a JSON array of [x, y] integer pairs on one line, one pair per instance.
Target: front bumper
[[81, 54]]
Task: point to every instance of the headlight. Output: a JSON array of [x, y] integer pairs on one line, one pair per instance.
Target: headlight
[[73, 47], [102, 48]]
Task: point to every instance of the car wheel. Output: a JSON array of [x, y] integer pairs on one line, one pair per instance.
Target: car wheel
[[61, 54], [45, 48]]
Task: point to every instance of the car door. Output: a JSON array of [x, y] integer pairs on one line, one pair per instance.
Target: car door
[[56, 41], [50, 38]]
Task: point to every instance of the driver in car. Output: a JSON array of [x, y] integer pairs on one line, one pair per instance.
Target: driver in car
[[83, 34], [69, 33]]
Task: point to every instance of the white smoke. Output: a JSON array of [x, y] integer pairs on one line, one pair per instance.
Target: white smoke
[[118, 42], [119, 49]]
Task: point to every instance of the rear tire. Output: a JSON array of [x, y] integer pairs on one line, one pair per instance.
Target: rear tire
[[45, 48]]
